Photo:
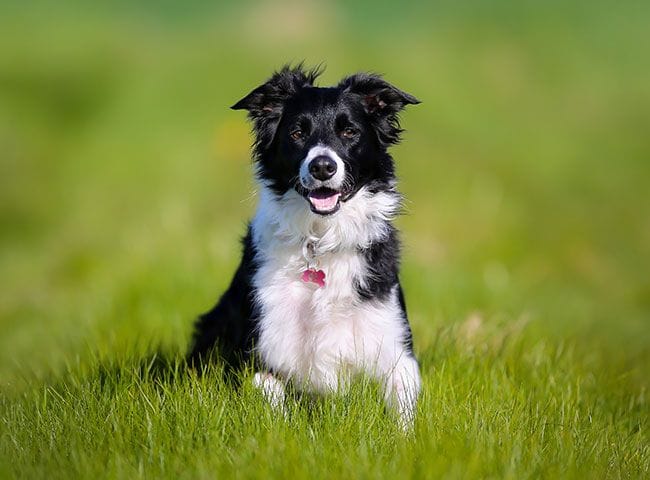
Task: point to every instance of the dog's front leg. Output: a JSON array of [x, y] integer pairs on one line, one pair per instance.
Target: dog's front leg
[[402, 388], [272, 388]]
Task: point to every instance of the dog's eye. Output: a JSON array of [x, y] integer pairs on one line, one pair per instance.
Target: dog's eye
[[348, 132], [297, 135]]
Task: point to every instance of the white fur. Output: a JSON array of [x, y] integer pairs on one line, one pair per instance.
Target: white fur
[[309, 182], [271, 388], [318, 337]]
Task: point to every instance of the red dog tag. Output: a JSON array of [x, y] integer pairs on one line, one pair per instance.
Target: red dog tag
[[314, 276]]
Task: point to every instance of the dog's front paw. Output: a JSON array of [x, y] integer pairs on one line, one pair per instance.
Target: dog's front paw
[[272, 388]]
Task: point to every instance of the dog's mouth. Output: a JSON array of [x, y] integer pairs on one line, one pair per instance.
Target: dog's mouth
[[324, 201]]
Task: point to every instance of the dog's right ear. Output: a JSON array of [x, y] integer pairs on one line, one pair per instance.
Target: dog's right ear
[[265, 100], [265, 103]]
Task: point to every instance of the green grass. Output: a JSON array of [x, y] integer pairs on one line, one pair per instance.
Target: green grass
[[125, 184]]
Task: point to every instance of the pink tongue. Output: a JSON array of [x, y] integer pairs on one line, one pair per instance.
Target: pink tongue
[[326, 203]]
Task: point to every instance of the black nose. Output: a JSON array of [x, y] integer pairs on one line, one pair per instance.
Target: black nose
[[322, 168]]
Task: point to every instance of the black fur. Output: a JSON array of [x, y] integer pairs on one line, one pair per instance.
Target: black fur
[[382, 259], [230, 325], [363, 104]]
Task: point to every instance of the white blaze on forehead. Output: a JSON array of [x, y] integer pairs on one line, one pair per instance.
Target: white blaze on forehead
[[309, 182]]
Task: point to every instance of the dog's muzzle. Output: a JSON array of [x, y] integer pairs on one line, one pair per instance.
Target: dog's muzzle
[[322, 168], [321, 177]]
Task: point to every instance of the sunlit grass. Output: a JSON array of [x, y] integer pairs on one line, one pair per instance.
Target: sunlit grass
[[125, 184], [493, 404]]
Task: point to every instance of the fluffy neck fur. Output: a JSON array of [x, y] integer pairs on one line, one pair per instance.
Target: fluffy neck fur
[[363, 220]]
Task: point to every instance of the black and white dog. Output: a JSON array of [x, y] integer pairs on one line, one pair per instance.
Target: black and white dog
[[316, 298]]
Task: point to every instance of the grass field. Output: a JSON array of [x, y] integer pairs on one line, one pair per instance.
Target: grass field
[[125, 184]]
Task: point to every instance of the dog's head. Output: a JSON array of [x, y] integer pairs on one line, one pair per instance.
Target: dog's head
[[324, 142]]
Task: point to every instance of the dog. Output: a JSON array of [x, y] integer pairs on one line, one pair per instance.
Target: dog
[[317, 297]]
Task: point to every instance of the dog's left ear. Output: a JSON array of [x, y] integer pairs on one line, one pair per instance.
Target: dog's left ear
[[381, 101]]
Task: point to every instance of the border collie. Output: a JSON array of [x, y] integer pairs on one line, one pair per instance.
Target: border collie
[[317, 298]]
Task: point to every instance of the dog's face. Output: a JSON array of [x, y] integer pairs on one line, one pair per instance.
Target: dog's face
[[325, 143]]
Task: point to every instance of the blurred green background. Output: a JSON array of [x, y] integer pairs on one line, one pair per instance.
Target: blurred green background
[[125, 180], [125, 183]]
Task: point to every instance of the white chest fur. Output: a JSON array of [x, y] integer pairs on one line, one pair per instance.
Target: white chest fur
[[318, 336]]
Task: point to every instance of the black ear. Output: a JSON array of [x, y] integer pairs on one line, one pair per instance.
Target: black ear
[[268, 99], [382, 101], [266, 102]]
